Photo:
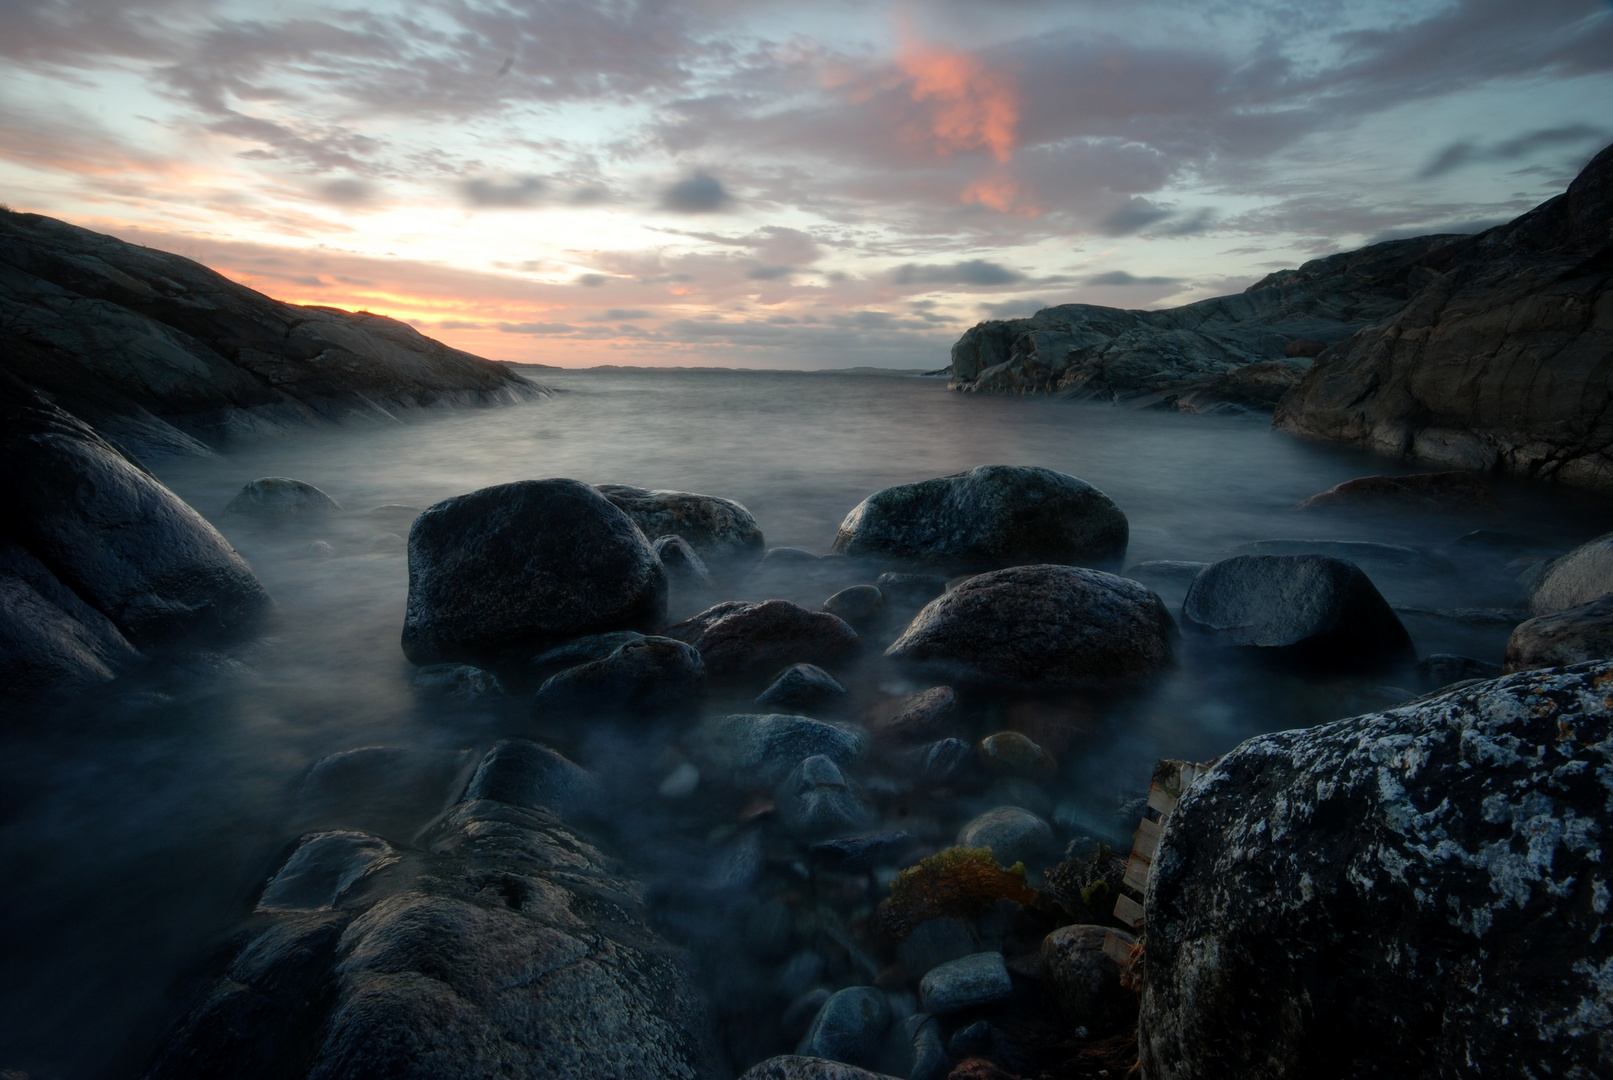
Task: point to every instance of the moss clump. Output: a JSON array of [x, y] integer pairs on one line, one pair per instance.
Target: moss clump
[[958, 881]]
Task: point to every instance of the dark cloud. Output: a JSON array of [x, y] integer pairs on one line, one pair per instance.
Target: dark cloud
[[1464, 228], [537, 328], [592, 280], [763, 272], [1458, 154], [1135, 216], [1121, 277], [347, 192], [619, 315], [485, 192], [1012, 309], [698, 194], [977, 272]]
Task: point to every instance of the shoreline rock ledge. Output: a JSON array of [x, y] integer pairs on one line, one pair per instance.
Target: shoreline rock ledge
[[1394, 894]]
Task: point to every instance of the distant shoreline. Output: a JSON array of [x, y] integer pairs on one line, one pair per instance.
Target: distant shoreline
[[863, 370]]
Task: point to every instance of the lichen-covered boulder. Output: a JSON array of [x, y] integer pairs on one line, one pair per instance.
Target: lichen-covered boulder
[[508, 571], [723, 532], [271, 497], [1314, 610], [1583, 575], [1570, 636], [503, 945], [1041, 626], [737, 638], [1415, 893], [990, 516]]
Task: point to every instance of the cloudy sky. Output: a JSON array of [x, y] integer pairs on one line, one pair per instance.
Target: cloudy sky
[[784, 185]]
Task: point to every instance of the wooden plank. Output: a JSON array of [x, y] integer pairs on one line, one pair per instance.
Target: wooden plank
[[1161, 800], [1129, 911], [1147, 841], [1136, 873], [1117, 950]]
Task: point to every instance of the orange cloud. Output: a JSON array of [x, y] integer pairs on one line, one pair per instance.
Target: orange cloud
[[970, 107], [1001, 194]]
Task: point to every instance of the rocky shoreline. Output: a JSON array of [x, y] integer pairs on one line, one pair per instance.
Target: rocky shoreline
[[892, 887]]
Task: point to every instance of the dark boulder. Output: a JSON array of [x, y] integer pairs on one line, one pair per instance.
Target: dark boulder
[[849, 1026], [1085, 979], [280, 497], [737, 638], [508, 571], [684, 566], [990, 516], [1583, 575], [1442, 669], [503, 945], [650, 674], [817, 800], [856, 604], [583, 650], [521, 772], [1460, 492], [1397, 894], [721, 531], [1570, 636], [923, 715], [112, 534], [804, 687], [1014, 835], [1041, 626], [456, 680], [857, 853], [1319, 612], [901, 587], [757, 750], [49, 638]]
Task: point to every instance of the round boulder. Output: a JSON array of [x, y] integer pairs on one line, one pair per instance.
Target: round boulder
[[1041, 626], [990, 516], [1393, 894], [1318, 611], [508, 571], [720, 530], [280, 497], [1583, 575], [1085, 980], [1014, 835], [848, 1027], [684, 566], [737, 638], [1571, 636], [650, 674]]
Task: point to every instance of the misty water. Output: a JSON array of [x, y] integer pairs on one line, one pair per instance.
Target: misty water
[[140, 823]]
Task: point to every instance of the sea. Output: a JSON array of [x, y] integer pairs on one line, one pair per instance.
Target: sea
[[138, 824]]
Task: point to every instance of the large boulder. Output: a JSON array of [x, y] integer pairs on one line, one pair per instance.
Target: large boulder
[[1041, 626], [509, 571], [1318, 611], [1498, 359], [1583, 575], [737, 638], [503, 945], [1415, 893], [990, 516], [721, 531], [112, 534], [1571, 636], [49, 638]]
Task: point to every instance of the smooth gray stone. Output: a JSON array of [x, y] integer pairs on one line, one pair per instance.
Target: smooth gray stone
[[456, 680], [524, 773], [966, 983], [856, 604], [721, 531], [281, 498], [849, 1027], [1583, 575], [817, 800], [757, 750], [801, 687], [649, 674], [684, 566], [1013, 834]]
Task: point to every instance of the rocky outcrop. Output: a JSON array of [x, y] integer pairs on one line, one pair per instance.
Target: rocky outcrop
[[501, 574], [97, 558], [1230, 349], [1041, 627], [162, 355], [988, 517], [1415, 893], [1499, 358], [501, 945]]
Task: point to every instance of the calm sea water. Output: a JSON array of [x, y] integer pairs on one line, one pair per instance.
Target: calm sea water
[[139, 825]]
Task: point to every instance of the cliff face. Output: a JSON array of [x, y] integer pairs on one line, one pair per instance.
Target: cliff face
[[1157, 357], [162, 355], [1501, 359]]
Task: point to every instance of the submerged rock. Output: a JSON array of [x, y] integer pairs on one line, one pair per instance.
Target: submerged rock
[[736, 638], [759, 749], [1446, 491], [1041, 626], [990, 516], [1442, 669], [1320, 612], [652, 673], [720, 530], [280, 497], [1570, 636], [503, 945], [816, 800], [856, 604], [1393, 893], [456, 680], [684, 566], [1583, 575], [524, 773], [923, 715], [802, 686], [1009, 753], [1085, 980], [507, 571], [583, 650]]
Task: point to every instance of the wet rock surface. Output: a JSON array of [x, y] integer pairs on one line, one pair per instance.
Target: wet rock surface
[[280, 497], [849, 1027], [1570, 636], [722, 532], [738, 638], [503, 945], [1392, 893], [1310, 609], [806, 687], [1041, 626], [652, 674], [990, 516], [1460, 491], [507, 571], [684, 566]]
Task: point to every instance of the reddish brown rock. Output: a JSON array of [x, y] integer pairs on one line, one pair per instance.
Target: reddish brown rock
[[1571, 636], [740, 638], [1420, 491]]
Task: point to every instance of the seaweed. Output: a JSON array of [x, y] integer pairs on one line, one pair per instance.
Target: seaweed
[[958, 881]]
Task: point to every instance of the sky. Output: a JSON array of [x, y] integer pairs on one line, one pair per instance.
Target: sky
[[759, 184]]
